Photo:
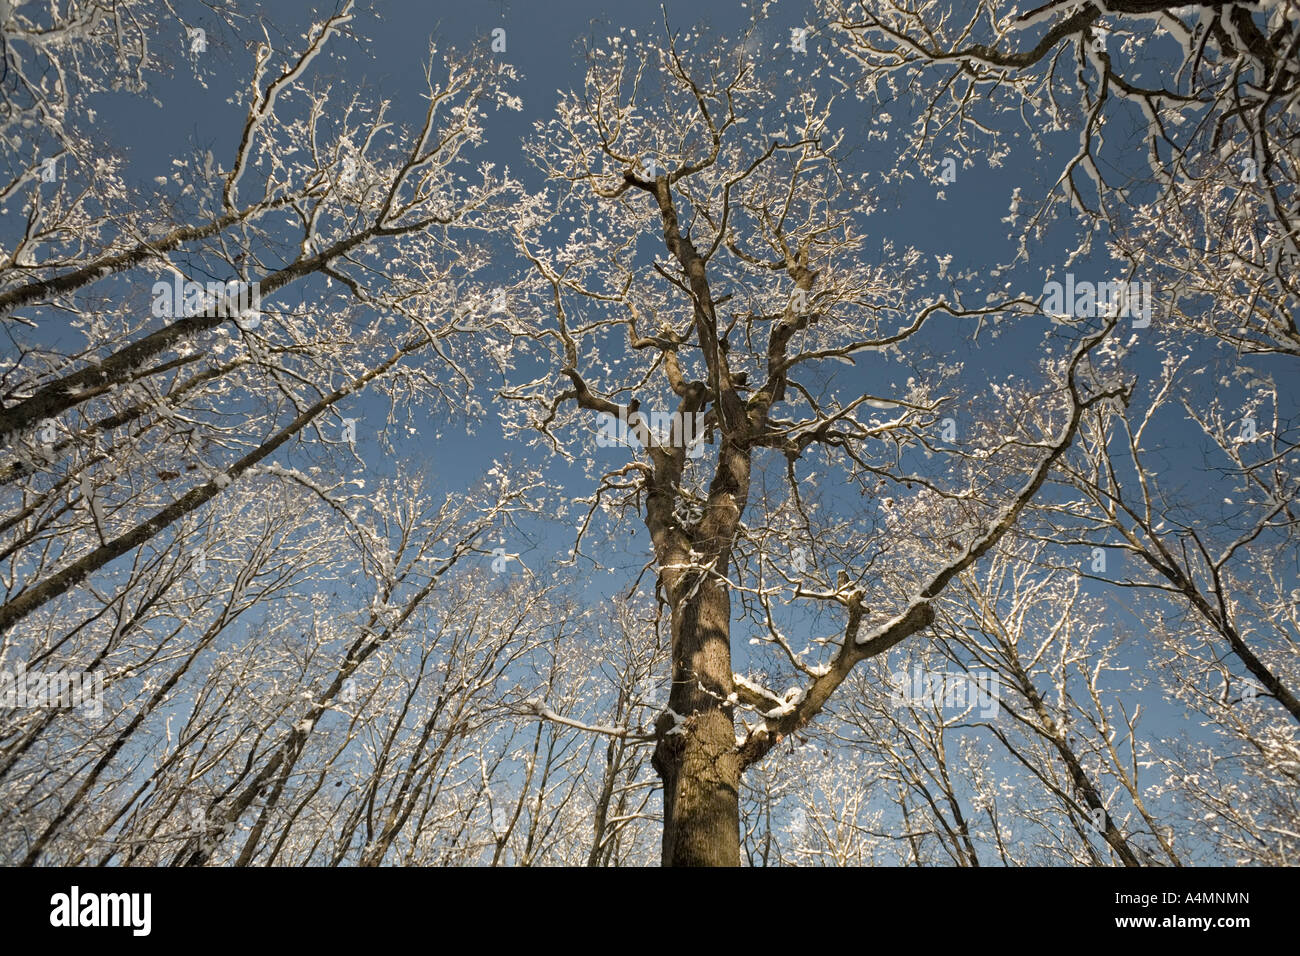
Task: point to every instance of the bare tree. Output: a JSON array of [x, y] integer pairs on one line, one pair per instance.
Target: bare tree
[[665, 142]]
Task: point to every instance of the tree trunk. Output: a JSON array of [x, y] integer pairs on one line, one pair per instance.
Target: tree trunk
[[696, 755]]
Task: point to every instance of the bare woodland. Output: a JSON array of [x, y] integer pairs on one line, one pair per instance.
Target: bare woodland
[[308, 660]]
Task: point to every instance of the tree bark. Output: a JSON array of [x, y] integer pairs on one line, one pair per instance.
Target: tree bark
[[696, 755]]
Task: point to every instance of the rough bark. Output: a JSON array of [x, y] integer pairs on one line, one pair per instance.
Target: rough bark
[[696, 754]]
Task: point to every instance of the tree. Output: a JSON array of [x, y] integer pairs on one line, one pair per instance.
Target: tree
[[1181, 126], [1190, 181], [763, 223], [201, 415]]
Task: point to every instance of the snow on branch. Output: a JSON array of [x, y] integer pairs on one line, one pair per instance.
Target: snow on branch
[[537, 707]]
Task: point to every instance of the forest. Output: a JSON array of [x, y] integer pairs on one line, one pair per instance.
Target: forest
[[821, 433]]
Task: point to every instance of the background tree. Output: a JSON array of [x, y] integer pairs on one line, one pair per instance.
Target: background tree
[[181, 480], [1166, 139]]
